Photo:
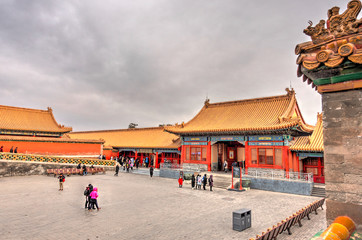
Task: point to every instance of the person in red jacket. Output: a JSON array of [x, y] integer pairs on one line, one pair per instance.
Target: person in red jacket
[[180, 182]]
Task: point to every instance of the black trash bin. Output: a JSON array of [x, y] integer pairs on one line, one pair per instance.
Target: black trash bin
[[241, 219]]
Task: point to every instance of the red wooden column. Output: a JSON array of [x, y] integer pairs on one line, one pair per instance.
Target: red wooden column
[[295, 161], [183, 154], [208, 156], [247, 156], [156, 161], [285, 158]]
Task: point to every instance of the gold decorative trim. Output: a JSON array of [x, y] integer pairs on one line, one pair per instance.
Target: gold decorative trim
[[356, 58], [334, 62], [346, 49], [311, 65], [323, 55]]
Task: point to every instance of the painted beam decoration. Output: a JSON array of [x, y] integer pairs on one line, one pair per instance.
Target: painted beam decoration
[[309, 154], [266, 138], [195, 139], [195, 143], [228, 139], [334, 55], [266, 143]]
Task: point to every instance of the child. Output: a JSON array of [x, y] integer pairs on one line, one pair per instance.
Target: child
[[180, 181], [94, 196], [61, 181]]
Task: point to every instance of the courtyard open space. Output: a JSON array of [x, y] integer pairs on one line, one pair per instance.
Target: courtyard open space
[[136, 206]]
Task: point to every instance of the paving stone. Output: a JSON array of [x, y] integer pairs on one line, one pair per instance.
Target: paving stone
[[135, 206]]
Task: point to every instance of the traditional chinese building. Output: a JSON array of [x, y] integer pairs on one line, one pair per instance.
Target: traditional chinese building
[[152, 143], [309, 150], [34, 131], [331, 63], [253, 133]]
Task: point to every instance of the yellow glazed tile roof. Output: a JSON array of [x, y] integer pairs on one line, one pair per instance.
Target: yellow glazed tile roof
[[313, 143], [26, 119], [261, 114], [47, 139], [133, 138]]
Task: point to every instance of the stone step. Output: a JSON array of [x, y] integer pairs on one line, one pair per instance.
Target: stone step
[[143, 171], [319, 192]]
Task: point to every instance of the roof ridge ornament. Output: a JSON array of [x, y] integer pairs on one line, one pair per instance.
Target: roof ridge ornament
[[338, 25], [207, 102], [290, 92]]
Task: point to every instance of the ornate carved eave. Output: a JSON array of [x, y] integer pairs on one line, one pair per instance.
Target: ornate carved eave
[[335, 52]]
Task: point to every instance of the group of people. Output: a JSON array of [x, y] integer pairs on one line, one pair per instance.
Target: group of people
[[90, 193], [91, 196], [84, 168], [127, 164], [12, 150], [198, 181]]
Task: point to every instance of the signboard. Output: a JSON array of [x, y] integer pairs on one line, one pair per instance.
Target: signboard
[[266, 138], [197, 139], [236, 172], [266, 143], [309, 154], [145, 150], [166, 151], [228, 138]]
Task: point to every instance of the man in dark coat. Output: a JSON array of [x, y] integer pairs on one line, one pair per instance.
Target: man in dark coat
[[193, 181], [84, 170], [204, 182], [151, 171], [87, 193], [117, 170]]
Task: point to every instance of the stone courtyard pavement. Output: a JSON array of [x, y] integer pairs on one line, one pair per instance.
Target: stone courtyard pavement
[[138, 207]]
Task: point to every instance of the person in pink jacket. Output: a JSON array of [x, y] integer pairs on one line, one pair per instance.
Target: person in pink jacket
[[93, 200]]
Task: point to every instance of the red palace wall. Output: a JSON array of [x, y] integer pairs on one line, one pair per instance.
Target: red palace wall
[[109, 153], [53, 148]]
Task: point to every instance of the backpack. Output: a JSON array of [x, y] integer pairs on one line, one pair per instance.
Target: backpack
[[86, 191]]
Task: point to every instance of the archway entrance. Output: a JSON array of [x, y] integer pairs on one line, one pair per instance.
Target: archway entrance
[[232, 152]]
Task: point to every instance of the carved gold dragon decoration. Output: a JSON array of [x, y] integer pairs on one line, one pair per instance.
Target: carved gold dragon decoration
[[338, 25]]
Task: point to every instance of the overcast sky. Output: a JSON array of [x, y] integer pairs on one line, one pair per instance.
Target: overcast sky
[[104, 64]]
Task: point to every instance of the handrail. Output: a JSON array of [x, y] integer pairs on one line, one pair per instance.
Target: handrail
[[280, 175]]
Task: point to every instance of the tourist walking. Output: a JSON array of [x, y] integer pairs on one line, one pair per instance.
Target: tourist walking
[[193, 181], [137, 162], [117, 170], [2, 149], [84, 170], [146, 161], [87, 193], [61, 181], [11, 149], [204, 181], [211, 182], [199, 181], [79, 166], [94, 196], [151, 171], [180, 182], [16, 150], [225, 166]]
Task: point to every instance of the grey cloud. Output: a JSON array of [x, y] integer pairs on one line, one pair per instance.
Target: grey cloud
[[104, 64]]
